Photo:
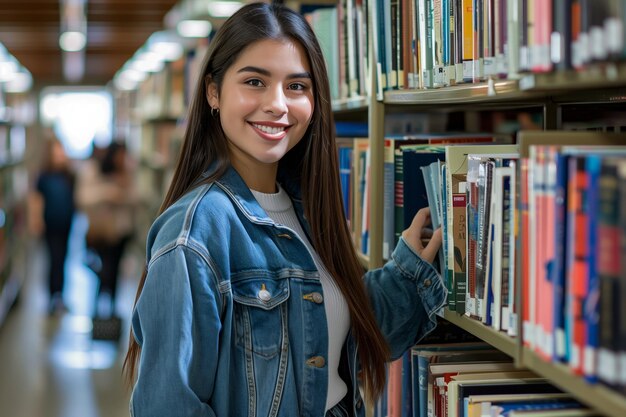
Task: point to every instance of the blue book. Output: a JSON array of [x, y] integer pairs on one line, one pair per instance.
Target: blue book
[[414, 193], [407, 385], [557, 268], [351, 129], [345, 176], [506, 408]]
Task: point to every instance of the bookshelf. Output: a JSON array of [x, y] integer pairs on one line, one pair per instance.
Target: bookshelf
[[13, 191], [593, 89], [548, 92]]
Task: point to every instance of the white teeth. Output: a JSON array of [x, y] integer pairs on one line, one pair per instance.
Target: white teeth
[[268, 129]]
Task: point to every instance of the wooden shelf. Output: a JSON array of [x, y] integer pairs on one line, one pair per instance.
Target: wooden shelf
[[598, 76], [596, 84], [499, 340], [489, 92], [596, 396]]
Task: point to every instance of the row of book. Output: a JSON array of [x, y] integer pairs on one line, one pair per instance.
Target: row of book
[[534, 234], [435, 43], [547, 219], [342, 33], [463, 377], [573, 207]]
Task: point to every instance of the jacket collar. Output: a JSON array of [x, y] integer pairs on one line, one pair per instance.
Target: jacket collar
[[232, 183]]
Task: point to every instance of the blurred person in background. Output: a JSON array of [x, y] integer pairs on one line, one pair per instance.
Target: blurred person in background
[[52, 211], [107, 195]]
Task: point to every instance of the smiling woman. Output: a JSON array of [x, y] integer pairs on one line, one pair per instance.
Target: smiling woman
[[266, 110], [253, 301]]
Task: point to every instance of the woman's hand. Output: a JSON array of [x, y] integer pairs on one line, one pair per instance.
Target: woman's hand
[[421, 239]]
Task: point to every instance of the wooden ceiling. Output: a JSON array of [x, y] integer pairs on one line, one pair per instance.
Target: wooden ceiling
[[29, 29]]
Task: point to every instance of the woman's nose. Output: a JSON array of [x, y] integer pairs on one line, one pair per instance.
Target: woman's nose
[[275, 101]]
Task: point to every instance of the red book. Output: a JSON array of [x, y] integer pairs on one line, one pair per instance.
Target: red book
[[577, 261], [524, 237], [545, 251]]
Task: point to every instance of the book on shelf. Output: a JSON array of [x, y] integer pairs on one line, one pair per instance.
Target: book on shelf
[[494, 406], [497, 282], [527, 174], [460, 267], [609, 238], [569, 412], [423, 358], [360, 168], [459, 387], [480, 167], [414, 188], [582, 281], [571, 266], [621, 312], [489, 404], [345, 150], [437, 43]]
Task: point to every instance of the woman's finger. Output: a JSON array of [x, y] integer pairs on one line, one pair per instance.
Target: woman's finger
[[430, 251]]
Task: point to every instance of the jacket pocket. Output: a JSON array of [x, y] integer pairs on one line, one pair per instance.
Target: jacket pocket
[[261, 315]]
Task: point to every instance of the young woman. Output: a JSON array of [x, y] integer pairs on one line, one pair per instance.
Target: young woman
[[253, 302], [54, 199]]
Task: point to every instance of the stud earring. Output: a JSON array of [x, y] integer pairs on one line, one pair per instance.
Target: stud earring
[[215, 111]]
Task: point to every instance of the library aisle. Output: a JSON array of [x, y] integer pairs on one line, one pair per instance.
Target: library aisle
[[49, 365]]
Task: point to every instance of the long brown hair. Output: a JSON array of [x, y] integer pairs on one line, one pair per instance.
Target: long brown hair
[[312, 162]]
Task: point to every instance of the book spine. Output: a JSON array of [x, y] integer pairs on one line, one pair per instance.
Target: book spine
[[621, 312], [459, 227], [608, 267], [577, 263], [557, 271], [524, 237], [592, 298]]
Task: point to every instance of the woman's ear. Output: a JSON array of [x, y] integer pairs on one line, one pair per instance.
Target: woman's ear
[[212, 95]]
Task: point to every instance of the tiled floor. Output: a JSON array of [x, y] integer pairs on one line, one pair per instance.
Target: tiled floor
[[50, 366]]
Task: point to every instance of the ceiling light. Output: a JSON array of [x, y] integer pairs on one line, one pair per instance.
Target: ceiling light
[[133, 75], [146, 66], [194, 28], [166, 44], [72, 41], [8, 68], [20, 83]]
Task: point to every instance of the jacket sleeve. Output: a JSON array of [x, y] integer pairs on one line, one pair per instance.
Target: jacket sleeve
[[176, 322], [405, 295]]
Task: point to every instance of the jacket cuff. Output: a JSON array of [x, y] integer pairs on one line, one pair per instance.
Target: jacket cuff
[[430, 285]]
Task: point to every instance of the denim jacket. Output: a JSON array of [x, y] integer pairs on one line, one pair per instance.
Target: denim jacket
[[231, 319]]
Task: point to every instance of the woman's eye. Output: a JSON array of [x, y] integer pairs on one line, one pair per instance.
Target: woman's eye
[[255, 82], [297, 86]]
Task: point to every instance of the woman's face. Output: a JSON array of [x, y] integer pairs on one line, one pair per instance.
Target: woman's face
[[265, 104]]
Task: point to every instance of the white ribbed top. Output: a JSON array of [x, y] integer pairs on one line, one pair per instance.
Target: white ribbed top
[[279, 208]]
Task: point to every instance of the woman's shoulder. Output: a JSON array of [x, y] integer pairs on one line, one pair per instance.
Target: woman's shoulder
[[201, 212]]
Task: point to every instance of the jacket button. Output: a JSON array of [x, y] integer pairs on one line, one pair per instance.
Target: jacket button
[[427, 283], [316, 297], [316, 361], [264, 294]]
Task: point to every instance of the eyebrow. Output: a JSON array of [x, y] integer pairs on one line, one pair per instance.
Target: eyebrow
[[265, 72]]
